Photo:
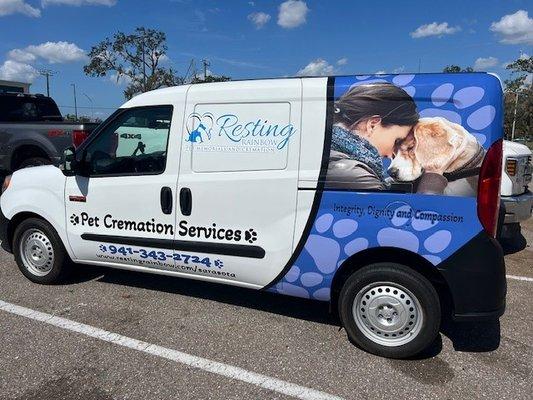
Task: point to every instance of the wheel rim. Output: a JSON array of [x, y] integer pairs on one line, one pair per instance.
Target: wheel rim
[[387, 314], [36, 252]]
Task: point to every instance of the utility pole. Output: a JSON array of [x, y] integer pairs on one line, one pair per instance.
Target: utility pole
[[75, 101], [206, 64], [47, 73], [514, 115]]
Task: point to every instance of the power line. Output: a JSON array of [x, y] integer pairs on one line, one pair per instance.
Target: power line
[[47, 73]]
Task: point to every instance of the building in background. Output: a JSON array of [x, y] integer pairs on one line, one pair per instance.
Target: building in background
[[14, 87]]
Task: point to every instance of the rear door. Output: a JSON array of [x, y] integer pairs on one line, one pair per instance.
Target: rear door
[[238, 178]]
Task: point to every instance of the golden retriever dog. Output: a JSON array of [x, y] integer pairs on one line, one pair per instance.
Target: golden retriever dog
[[443, 147]]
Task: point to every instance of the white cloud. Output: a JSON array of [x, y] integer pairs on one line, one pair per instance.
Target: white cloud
[[434, 29], [484, 63], [380, 72], [292, 13], [259, 19], [21, 56], [53, 52], [514, 28], [15, 71], [8, 7], [342, 61], [79, 3], [318, 67]]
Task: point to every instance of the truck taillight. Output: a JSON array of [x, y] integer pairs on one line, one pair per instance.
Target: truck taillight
[[510, 167], [488, 195], [78, 136]]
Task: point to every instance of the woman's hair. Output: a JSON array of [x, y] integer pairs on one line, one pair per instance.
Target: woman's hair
[[391, 103]]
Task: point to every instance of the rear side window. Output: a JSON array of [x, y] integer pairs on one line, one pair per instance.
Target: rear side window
[[29, 109], [135, 142], [239, 136]]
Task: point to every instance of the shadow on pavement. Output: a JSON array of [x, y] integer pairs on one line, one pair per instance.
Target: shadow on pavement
[[310, 310], [468, 337]]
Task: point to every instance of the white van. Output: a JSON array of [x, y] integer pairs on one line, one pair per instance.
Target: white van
[[378, 194]]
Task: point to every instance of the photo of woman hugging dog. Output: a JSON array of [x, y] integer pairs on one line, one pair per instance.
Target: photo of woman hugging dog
[[378, 121]]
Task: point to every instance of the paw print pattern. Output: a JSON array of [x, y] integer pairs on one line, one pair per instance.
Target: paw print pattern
[[102, 248], [74, 219], [336, 236], [218, 263], [250, 235]]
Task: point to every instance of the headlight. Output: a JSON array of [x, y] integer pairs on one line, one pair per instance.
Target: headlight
[[7, 181]]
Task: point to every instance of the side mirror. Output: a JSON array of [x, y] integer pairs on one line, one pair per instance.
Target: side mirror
[[69, 164]]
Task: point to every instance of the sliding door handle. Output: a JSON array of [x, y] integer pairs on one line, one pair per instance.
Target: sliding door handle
[[186, 201], [166, 200]]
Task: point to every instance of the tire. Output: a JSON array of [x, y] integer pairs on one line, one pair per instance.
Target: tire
[[39, 252], [408, 321], [34, 162]]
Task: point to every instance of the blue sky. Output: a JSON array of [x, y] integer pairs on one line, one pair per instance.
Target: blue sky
[[254, 39]]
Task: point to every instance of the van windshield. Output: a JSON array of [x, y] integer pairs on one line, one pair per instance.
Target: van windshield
[[26, 108]]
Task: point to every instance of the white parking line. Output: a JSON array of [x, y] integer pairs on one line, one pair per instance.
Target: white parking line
[[520, 278], [205, 364]]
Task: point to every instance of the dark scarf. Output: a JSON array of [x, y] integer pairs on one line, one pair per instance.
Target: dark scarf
[[357, 148]]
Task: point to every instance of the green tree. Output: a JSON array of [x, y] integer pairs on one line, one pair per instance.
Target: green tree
[[456, 68], [210, 78], [134, 57], [81, 118], [519, 94]]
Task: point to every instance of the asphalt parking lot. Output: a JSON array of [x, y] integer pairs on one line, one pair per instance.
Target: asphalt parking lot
[[287, 341]]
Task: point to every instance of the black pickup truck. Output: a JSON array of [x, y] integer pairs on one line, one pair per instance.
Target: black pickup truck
[[33, 132]]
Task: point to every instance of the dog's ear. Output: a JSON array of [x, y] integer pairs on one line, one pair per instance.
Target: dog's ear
[[433, 148]]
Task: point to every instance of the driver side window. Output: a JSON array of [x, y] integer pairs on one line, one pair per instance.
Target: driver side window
[[134, 143]]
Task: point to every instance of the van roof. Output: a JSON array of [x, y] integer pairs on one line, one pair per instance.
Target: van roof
[[158, 95]]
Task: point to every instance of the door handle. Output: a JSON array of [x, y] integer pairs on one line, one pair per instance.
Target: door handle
[[166, 200], [185, 201]]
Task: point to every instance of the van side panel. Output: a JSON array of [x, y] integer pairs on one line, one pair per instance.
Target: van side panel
[[434, 226]]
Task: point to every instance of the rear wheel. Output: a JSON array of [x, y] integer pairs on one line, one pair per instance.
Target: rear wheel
[[390, 310], [39, 252]]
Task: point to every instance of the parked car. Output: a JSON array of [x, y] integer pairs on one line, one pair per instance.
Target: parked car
[[32, 131], [279, 185], [517, 199]]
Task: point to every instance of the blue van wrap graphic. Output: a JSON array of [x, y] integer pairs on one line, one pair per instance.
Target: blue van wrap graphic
[[433, 226], [348, 223]]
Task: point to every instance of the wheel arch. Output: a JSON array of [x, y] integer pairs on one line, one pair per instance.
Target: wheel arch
[[16, 220], [28, 150], [411, 260]]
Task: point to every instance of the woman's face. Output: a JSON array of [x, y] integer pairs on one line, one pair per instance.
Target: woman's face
[[383, 138]]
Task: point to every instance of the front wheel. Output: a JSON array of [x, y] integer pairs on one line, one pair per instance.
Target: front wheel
[[390, 310], [39, 252]]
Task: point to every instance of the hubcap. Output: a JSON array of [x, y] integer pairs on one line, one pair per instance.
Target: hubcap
[[36, 252], [387, 314]]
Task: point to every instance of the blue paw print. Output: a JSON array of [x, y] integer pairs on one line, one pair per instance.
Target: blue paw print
[[102, 248], [219, 263]]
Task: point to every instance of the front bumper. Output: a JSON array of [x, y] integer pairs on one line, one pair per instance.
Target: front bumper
[[517, 208], [475, 275], [4, 225]]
